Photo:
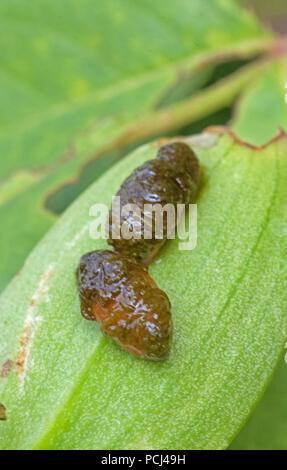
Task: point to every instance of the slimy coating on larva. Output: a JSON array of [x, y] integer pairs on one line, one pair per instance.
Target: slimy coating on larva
[[120, 295], [115, 287]]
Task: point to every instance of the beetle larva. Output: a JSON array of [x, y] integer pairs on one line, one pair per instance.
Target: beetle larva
[[121, 296], [115, 287], [171, 178]]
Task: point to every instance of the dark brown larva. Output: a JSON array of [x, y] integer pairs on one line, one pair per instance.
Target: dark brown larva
[[115, 287], [120, 295], [171, 178]]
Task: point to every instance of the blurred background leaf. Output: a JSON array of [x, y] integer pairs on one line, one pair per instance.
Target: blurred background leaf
[[262, 108], [71, 68], [273, 14]]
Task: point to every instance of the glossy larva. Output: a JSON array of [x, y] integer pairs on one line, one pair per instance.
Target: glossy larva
[[115, 287]]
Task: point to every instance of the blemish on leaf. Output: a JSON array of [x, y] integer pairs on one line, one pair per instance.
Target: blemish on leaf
[[203, 140], [3, 415], [6, 368], [163, 141], [281, 134], [31, 323]]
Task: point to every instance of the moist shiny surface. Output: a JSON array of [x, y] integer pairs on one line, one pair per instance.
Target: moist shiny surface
[[115, 288], [171, 178], [120, 295]]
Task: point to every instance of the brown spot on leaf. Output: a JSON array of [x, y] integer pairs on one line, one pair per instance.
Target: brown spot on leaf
[[3, 415], [31, 323], [6, 368], [24, 344]]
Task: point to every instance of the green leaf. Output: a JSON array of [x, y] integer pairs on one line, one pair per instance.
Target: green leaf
[[72, 388], [266, 428], [73, 70], [262, 107]]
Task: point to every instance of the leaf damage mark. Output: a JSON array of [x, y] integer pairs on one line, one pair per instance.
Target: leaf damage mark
[[3, 415], [31, 323], [6, 368], [281, 134], [203, 140]]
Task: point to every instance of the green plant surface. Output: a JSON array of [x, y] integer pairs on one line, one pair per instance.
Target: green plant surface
[[267, 426], [71, 388], [266, 429], [70, 69], [263, 107]]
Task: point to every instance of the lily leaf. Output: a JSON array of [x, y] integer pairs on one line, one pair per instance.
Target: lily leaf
[[69, 387], [73, 70], [265, 96], [267, 426]]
